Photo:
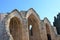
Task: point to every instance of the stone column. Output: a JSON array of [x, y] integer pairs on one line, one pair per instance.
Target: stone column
[[43, 31], [25, 34]]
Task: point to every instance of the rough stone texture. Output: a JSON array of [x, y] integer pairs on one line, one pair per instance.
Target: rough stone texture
[[16, 26]]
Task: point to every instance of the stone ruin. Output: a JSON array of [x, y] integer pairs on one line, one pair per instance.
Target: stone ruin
[[26, 25]]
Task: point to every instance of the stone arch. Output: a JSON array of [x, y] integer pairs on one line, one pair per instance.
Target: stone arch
[[34, 33], [48, 28], [48, 31], [16, 15], [15, 28], [32, 11]]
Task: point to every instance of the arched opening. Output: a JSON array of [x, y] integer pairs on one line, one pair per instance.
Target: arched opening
[[15, 28], [30, 30], [33, 27], [48, 32]]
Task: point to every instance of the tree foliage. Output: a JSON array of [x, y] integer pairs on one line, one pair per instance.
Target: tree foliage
[[56, 23]]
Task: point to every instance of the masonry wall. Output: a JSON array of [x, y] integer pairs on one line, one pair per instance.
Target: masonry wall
[[39, 29]]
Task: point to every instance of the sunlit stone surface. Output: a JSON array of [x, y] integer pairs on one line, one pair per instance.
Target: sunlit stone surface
[[26, 25]]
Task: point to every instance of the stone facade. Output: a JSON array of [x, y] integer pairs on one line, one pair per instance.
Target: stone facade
[[26, 25]]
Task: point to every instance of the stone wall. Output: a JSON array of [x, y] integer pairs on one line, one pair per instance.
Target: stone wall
[[20, 29]]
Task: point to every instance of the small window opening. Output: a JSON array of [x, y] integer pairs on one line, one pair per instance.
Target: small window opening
[[30, 30]]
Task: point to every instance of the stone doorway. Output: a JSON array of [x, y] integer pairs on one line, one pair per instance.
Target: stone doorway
[[33, 27], [48, 32], [15, 28]]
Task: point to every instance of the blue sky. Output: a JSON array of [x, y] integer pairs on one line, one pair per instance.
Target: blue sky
[[44, 8]]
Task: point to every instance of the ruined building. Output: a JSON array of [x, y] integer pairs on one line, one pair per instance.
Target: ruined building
[[26, 25]]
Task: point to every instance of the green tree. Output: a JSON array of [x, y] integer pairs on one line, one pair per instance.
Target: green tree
[[56, 23]]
